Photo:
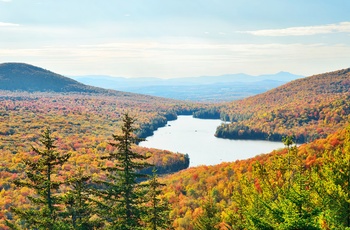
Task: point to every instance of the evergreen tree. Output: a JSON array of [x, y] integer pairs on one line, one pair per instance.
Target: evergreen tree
[[79, 208], [123, 197], [266, 191], [157, 211], [210, 218], [288, 196], [40, 175], [334, 186], [240, 203]]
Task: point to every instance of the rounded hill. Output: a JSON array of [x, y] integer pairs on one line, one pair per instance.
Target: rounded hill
[[25, 77]]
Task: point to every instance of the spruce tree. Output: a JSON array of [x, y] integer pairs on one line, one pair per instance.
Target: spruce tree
[[210, 218], [298, 207], [240, 201], [123, 197], [157, 215], [40, 177], [79, 208], [334, 186], [287, 196]]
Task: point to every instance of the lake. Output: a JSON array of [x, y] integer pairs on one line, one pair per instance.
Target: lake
[[196, 138]]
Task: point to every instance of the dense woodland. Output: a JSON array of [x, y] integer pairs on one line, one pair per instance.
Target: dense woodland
[[89, 115], [74, 198], [305, 187], [82, 125], [308, 108]]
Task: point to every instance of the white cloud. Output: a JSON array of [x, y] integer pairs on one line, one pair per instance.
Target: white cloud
[[167, 59], [5, 0], [6, 24], [342, 27]]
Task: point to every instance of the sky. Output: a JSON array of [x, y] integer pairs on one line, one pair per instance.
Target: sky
[[176, 38]]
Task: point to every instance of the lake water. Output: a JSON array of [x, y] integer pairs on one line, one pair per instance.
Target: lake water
[[196, 138]]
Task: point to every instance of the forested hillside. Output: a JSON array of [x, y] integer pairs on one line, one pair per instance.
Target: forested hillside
[[308, 108], [82, 125], [27, 90], [52, 188], [82, 122], [24, 77], [294, 188], [304, 187]]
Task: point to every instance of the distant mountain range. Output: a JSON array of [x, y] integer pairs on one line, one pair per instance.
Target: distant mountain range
[[25, 77], [206, 88]]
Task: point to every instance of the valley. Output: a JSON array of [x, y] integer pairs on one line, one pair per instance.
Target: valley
[[223, 88], [291, 186], [174, 115]]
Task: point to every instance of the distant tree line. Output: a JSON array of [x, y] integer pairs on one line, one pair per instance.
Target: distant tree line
[[242, 132], [211, 113], [147, 128]]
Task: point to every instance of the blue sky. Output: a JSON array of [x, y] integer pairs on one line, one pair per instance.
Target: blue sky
[[176, 38]]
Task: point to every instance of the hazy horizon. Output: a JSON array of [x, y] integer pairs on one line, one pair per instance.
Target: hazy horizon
[[150, 77]]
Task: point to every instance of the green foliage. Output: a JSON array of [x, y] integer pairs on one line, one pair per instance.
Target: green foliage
[[211, 113], [118, 202], [81, 124], [40, 175], [123, 197], [157, 209], [210, 217], [334, 184], [79, 208], [298, 187]]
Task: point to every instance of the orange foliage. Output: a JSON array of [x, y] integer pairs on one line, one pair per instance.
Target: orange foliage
[[82, 124], [187, 189], [308, 108]]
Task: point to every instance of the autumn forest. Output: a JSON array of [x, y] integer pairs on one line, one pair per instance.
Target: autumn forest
[[70, 159]]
